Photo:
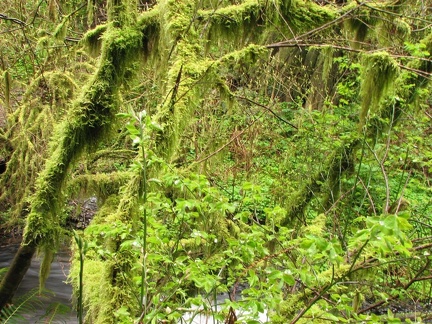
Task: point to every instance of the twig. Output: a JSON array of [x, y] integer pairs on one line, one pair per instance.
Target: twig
[[269, 110], [15, 20], [405, 287], [369, 195], [313, 31], [384, 173], [226, 144]]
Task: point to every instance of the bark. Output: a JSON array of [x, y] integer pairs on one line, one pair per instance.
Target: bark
[[14, 276]]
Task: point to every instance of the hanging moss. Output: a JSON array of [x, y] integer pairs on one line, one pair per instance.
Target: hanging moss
[[90, 11], [150, 28], [358, 29], [232, 14], [52, 10], [61, 30], [117, 217], [326, 57], [45, 267], [93, 39], [233, 22], [61, 86], [44, 102], [7, 87], [86, 123], [378, 75], [305, 15]]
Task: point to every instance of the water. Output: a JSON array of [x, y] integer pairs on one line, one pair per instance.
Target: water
[[58, 291]]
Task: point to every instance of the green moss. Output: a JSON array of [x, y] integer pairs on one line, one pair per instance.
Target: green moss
[[44, 103], [7, 85], [358, 29], [45, 266], [378, 75], [232, 15], [149, 25], [61, 30], [305, 15], [107, 270], [61, 86], [93, 39], [101, 184], [326, 59], [233, 23], [317, 226], [87, 122]]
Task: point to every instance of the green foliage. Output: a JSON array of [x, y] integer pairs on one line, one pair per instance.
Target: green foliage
[[301, 175]]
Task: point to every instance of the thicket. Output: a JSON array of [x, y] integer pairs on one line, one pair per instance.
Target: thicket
[[278, 148]]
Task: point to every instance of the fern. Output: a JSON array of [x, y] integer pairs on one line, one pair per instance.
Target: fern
[[53, 311], [24, 304], [29, 303]]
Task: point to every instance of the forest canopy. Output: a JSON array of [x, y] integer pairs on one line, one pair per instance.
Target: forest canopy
[[278, 148]]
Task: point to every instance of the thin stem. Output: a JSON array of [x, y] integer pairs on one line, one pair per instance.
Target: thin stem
[[144, 241]]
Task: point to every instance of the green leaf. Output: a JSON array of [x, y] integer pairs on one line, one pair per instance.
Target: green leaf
[[288, 279]]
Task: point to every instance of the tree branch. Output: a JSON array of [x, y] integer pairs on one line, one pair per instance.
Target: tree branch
[[15, 20]]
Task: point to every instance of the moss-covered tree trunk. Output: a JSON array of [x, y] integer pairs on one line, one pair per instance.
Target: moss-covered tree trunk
[[91, 114], [12, 279]]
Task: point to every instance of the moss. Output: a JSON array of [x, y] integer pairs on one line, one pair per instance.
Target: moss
[[45, 267], [61, 30], [150, 28], [85, 125], [402, 27], [378, 75], [122, 13], [105, 268], [359, 29], [44, 103], [232, 14], [7, 87], [305, 15], [288, 308], [317, 226], [93, 39], [326, 57], [96, 287], [101, 184], [233, 22], [90, 11], [52, 10], [61, 86]]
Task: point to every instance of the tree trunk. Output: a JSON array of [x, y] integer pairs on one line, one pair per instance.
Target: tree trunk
[[16, 272]]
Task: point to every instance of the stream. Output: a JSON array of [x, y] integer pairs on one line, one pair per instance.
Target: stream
[[58, 291], [59, 294]]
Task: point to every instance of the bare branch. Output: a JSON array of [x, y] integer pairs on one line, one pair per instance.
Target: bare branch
[[15, 20]]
